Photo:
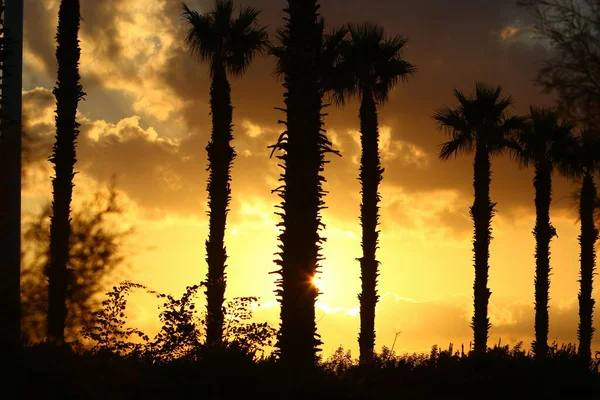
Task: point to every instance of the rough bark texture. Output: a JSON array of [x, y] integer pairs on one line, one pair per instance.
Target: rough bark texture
[[68, 92], [542, 232], [11, 57], [303, 144], [370, 177], [481, 212], [587, 241], [220, 159]]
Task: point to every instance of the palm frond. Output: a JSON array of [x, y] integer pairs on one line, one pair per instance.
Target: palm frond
[[389, 74], [459, 145], [222, 16], [200, 36], [220, 39], [371, 61], [279, 51], [571, 163], [245, 41], [481, 117], [452, 120], [336, 74]]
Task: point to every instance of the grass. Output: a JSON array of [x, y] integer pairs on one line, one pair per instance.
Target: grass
[[231, 373]]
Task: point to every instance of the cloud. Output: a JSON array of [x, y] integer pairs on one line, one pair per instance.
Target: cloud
[[441, 320], [162, 174], [138, 58]]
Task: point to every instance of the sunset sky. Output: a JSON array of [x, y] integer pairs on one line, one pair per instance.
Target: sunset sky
[[146, 119]]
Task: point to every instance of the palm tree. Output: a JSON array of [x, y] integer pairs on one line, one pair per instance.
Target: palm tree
[[304, 143], [583, 162], [371, 65], [542, 143], [228, 43], [11, 57], [68, 92], [480, 123]]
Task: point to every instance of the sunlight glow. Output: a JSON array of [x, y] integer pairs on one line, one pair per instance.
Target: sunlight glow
[[317, 281]]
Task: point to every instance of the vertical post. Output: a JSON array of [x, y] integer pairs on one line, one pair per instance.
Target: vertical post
[[10, 176]]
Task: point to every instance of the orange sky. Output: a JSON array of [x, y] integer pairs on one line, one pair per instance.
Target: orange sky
[[146, 118]]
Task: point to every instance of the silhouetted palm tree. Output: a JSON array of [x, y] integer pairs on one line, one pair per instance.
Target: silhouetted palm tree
[[583, 162], [304, 143], [370, 67], [481, 123], [542, 143], [228, 43], [11, 59], [68, 92]]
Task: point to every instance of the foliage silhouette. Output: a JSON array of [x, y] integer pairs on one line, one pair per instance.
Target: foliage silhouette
[[582, 162], [370, 66], [572, 28], [225, 373], [542, 143], [95, 251], [107, 328], [68, 92], [481, 123], [229, 44], [182, 334]]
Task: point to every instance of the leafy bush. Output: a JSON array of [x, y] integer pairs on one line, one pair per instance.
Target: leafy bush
[[182, 333]]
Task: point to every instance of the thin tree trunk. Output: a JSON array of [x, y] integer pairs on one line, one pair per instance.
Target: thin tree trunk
[[543, 235], [10, 178], [220, 159], [304, 145], [587, 241], [370, 177], [68, 92], [482, 212]]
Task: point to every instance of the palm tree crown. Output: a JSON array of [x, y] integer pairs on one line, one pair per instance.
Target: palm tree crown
[[544, 137], [583, 156], [225, 40], [481, 118], [370, 61]]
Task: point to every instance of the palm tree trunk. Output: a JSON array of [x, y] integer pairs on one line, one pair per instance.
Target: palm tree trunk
[[220, 159], [481, 212], [68, 92], [543, 235], [370, 177], [304, 146], [10, 178], [587, 241]]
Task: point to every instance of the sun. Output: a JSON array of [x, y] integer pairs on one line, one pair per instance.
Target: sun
[[317, 281]]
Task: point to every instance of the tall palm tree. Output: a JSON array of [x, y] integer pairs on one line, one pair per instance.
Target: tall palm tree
[[68, 92], [11, 57], [542, 144], [480, 123], [228, 43], [583, 162], [304, 143], [370, 67]]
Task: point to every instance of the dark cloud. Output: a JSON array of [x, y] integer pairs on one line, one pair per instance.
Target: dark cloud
[[453, 44]]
